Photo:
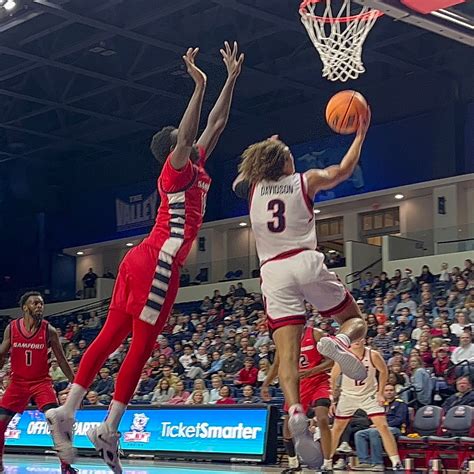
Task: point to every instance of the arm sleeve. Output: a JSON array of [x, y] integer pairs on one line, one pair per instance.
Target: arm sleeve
[[418, 380], [173, 180], [242, 189]]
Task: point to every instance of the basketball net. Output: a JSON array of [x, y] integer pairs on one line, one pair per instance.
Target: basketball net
[[338, 36]]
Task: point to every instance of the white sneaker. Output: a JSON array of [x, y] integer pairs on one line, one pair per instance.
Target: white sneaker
[[106, 444], [340, 465], [335, 349], [61, 426], [344, 448]]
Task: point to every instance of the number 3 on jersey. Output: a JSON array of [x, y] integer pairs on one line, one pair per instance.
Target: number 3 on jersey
[[278, 224]]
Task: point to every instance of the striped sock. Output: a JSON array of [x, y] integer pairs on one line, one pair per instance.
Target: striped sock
[[344, 338]]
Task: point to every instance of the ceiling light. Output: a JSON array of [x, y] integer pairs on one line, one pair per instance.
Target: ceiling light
[[97, 49], [317, 211], [399, 196], [108, 52], [129, 244], [10, 5], [243, 224], [80, 252]]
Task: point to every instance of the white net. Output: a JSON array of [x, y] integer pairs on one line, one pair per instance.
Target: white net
[[338, 36]]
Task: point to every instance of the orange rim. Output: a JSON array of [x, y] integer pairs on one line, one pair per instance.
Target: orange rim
[[343, 19]]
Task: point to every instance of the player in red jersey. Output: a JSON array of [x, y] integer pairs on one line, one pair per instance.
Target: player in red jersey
[[315, 392], [148, 278], [29, 340]]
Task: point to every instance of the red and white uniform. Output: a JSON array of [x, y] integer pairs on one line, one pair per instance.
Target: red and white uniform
[[282, 218], [318, 386], [30, 379], [360, 394], [148, 278]]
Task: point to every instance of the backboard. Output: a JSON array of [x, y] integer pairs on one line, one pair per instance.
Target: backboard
[[455, 22]]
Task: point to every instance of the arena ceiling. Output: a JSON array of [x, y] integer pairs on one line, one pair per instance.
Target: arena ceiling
[[89, 80]]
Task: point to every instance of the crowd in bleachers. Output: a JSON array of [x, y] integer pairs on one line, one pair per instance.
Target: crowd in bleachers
[[219, 350]]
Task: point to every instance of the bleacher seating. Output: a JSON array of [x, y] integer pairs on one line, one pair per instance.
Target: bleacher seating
[[230, 309]]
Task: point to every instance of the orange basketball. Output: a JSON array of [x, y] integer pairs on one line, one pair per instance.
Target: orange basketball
[[344, 110]]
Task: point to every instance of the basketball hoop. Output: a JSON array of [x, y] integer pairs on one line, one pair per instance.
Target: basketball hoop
[[338, 36]]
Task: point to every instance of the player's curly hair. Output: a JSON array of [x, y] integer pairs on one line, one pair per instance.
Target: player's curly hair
[[162, 142], [25, 296], [264, 161]]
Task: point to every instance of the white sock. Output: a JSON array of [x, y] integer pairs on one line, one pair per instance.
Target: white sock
[[345, 339], [116, 411], [395, 460], [74, 399], [327, 464], [293, 462]]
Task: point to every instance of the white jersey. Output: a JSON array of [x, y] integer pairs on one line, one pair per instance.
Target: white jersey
[[359, 388], [282, 218]]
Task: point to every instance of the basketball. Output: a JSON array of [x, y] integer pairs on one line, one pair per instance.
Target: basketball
[[343, 111]]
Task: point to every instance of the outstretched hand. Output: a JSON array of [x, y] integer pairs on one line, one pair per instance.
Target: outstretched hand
[[189, 59], [364, 123], [232, 62]]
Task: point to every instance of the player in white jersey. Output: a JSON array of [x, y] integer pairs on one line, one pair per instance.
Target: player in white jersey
[[292, 271], [364, 395]]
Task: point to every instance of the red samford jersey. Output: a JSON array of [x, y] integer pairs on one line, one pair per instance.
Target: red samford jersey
[[310, 358], [29, 353], [183, 196], [316, 387]]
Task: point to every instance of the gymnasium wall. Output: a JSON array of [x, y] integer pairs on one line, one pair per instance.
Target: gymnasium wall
[[400, 153], [400, 150], [415, 263]]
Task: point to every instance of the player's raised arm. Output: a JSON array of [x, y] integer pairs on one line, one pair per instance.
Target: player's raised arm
[[189, 125], [59, 353], [5, 346], [330, 177], [220, 113]]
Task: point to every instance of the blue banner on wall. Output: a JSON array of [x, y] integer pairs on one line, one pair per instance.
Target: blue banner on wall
[[235, 431], [136, 211]]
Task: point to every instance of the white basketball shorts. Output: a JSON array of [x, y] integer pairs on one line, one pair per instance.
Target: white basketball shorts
[[349, 404], [288, 282]]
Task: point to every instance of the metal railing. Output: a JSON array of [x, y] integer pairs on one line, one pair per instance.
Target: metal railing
[[356, 276]]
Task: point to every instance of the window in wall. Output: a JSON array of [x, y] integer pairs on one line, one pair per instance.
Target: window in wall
[[331, 240], [375, 224], [330, 229]]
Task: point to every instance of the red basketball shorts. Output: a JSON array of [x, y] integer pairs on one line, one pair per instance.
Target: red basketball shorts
[[147, 284], [19, 393], [311, 391]]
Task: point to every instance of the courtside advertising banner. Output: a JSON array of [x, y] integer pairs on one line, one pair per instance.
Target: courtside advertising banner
[[240, 432]]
